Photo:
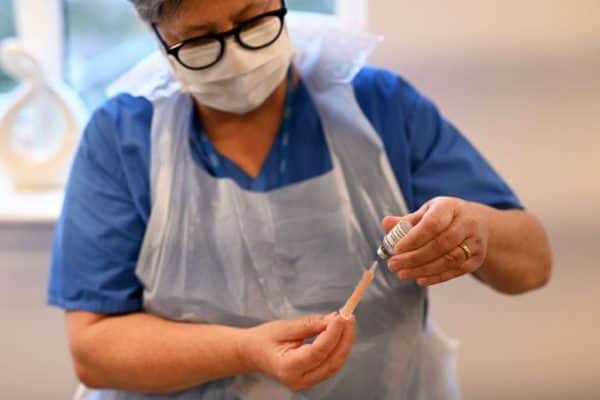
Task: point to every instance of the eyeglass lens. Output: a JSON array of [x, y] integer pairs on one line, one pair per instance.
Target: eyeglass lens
[[205, 52]]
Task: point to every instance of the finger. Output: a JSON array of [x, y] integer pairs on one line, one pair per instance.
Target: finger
[[452, 261], [437, 219], [437, 279], [390, 222], [416, 217], [331, 317], [337, 359], [447, 242], [311, 355], [301, 328]]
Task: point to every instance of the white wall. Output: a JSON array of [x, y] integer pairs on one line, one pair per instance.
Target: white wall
[[34, 358], [522, 81]]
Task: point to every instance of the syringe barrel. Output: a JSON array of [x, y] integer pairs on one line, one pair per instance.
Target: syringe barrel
[[386, 251]]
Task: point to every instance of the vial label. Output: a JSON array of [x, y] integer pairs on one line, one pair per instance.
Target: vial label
[[392, 238]]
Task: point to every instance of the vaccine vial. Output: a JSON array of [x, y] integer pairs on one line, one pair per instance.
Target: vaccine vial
[[386, 251]]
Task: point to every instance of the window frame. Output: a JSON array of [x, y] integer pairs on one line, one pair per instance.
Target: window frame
[[41, 31]]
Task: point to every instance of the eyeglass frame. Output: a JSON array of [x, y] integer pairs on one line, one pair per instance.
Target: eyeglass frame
[[221, 38]]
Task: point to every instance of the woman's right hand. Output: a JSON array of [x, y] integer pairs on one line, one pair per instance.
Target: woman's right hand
[[278, 349]]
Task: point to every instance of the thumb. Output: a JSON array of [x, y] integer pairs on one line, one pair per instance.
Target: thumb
[[302, 328], [389, 222], [414, 218]]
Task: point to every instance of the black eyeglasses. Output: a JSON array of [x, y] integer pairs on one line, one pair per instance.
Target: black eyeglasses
[[203, 52]]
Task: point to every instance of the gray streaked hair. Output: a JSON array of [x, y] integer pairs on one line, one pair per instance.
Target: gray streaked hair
[[154, 10]]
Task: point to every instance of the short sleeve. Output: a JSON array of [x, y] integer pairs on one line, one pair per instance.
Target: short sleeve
[[99, 234], [445, 163], [429, 156]]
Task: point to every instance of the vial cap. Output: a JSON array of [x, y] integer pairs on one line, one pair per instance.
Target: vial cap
[[382, 254]]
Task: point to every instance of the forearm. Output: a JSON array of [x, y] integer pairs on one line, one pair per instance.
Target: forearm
[[519, 257], [143, 353]]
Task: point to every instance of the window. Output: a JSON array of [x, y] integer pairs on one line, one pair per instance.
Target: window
[[90, 43], [99, 50], [104, 38], [7, 29], [321, 6]]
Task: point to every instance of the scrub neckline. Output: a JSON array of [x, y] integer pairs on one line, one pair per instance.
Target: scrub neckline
[[220, 166]]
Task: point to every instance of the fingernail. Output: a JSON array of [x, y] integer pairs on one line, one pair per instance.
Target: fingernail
[[402, 275], [397, 267], [346, 318]]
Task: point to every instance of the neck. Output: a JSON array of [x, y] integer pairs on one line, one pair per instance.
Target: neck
[[221, 125], [246, 139]]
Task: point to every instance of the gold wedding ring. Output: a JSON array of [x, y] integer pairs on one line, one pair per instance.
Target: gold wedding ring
[[467, 251]]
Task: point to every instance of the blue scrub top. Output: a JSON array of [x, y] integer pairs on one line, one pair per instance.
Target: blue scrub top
[[107, 203]]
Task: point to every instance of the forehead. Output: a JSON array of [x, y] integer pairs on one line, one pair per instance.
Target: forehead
[[212, 11], [197, 17]]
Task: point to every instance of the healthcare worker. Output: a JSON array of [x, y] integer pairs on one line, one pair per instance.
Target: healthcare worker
[[220, 210]]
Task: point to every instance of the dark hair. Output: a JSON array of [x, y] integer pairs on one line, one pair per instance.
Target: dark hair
[[154, 10]]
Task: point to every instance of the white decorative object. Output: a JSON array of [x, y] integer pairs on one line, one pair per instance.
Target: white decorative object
[[41, 125]]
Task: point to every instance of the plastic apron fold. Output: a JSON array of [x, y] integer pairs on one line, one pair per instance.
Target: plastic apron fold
[[216, 253]]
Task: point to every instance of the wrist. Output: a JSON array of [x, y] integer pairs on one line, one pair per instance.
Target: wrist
[[483, 215], [245, 353]]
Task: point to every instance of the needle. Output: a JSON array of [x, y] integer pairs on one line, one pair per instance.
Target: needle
[[368, 276]]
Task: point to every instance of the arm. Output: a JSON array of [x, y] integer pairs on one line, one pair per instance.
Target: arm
[[96, 251], [144, 353], [509, 249], [518, 257]]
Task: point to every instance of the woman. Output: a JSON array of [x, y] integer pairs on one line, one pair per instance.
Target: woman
[[214, 221]]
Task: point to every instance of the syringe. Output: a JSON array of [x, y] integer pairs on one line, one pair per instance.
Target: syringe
[[385, 252]]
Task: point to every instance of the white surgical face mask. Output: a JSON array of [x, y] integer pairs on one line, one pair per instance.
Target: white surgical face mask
[[243, 79]]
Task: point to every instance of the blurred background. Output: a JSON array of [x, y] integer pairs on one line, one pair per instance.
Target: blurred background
[[520, 79]]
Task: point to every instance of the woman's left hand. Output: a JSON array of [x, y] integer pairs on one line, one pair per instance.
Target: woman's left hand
[[449, 239]]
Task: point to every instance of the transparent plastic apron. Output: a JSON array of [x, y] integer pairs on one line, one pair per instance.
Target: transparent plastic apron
[[215, 253]]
